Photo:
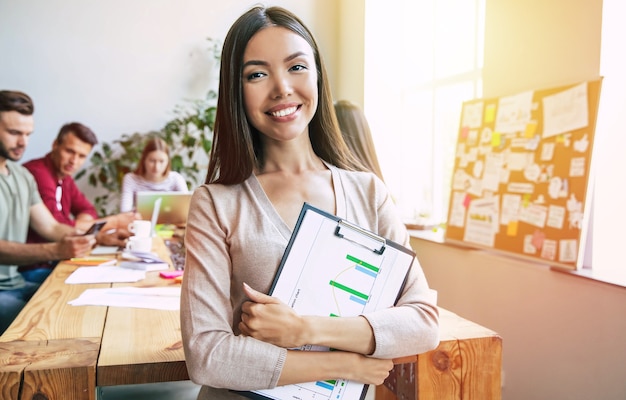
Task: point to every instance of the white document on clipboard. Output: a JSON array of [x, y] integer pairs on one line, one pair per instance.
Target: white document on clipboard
[[334, 268]]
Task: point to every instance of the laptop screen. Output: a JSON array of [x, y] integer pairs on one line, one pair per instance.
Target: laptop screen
[[163, 207]]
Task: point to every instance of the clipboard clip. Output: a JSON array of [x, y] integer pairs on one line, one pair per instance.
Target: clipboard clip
[[367, 239]]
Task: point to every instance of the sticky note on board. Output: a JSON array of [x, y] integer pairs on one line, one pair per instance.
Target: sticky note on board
[[490, 113], [531, 128], [467, 200], [538, 239], [511, 228], [496, 139], [464, 132]]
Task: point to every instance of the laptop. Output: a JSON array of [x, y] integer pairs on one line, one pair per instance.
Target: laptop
[[163, 207]]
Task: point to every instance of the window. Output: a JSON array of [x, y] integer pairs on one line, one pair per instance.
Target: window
[[422, 60], [608, 202]]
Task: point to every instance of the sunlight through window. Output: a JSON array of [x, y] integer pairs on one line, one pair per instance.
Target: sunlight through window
[[422, 60]]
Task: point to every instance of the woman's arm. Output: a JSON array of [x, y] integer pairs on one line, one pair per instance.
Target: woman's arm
[[409, 328], [310, 366], [270, 320]]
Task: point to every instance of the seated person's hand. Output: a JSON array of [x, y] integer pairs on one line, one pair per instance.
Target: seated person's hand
[[120, 221], [116, 237], [75, 246]]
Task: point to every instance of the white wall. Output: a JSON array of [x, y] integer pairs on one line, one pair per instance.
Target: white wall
[[351, 51], [562, 335], [122, 66]]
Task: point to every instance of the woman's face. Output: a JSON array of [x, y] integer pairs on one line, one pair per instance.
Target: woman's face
[[279, 83], [155, 165]]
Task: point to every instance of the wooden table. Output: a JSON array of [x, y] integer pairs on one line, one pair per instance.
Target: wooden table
[[466, 365], [57, 351]]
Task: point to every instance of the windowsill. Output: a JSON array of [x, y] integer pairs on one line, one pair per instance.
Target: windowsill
[[616, 278], [433, 235]]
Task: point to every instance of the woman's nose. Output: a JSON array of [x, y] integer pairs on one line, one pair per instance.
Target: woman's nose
[[282, 86]]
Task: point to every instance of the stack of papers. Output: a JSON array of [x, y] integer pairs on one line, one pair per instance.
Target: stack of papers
[[143, 261], [160, 298]]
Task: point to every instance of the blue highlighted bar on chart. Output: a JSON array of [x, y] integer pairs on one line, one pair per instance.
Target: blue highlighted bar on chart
[[366, 271], [325, 385], [358, 300]]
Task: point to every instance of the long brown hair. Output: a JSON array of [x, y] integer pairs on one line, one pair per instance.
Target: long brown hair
[[153, 144], [237, 146], [357, 135]]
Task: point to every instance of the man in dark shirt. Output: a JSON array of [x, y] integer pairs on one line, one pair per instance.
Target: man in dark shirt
[[59, 192]]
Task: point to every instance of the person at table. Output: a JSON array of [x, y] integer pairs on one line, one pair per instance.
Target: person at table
[[277, 145], [59, 192], [21, 207], [357, 135], [153, 173]]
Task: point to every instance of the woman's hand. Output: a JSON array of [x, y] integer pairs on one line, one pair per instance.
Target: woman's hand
[[270, 320], [371, 371], [308, 366]]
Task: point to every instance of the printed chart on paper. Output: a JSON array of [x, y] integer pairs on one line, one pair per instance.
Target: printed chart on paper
[[327, 275]]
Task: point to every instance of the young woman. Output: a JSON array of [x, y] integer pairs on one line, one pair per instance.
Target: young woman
[[357, 135], [277, 145], [153, 173]]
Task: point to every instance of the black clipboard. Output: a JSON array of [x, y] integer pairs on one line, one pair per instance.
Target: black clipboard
[[361, 272]]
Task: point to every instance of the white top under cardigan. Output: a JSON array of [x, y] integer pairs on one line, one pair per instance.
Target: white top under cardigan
[[235, 235]]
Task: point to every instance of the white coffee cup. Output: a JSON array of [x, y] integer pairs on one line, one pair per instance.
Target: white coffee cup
[[140, 228], [138, 243]]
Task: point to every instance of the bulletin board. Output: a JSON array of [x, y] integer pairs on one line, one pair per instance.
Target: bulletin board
[[522, 174]]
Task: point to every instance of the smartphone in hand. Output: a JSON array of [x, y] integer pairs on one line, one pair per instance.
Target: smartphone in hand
[[95, 228]]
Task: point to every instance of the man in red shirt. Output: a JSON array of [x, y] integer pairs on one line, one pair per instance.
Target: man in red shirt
[[59, 192]]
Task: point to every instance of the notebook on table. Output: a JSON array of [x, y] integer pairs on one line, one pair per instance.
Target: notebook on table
[[163, 207]]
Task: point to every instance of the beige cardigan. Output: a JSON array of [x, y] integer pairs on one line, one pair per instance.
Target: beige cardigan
[[234, 235]]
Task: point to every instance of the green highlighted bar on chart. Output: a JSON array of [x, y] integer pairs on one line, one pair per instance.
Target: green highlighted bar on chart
[[362, 263], [349, 290]]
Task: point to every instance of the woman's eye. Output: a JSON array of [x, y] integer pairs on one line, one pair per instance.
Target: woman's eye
[[255, 75], [298, 67]]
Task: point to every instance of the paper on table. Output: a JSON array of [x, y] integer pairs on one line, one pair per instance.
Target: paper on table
[[159, 298], [104, 275], [100, 250], [144, 266]]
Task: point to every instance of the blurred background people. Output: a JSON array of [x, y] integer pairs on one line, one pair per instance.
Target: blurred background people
[[21, 207], [59, 192], [357, 135], [153, 173]]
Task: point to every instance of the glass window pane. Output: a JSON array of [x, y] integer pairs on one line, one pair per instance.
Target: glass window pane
[[455, 37]]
